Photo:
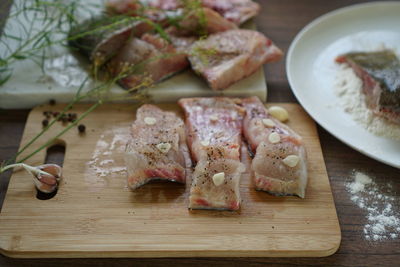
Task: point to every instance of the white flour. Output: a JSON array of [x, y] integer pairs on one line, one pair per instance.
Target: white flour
[[348, 88], [383, 222]]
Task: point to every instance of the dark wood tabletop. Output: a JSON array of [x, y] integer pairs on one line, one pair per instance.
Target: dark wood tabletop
[[281, 20]]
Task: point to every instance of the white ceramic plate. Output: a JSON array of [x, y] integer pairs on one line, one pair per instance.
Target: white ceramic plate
[[311, 69]]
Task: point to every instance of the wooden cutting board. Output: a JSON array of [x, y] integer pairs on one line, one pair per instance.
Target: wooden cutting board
[[94, 214]]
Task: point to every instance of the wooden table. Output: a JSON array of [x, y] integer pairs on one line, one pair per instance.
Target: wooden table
[[280, 20]]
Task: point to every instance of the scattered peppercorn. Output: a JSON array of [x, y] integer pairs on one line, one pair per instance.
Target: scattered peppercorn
[[81, 128], [52, 102], [45, 123], [56, 113]]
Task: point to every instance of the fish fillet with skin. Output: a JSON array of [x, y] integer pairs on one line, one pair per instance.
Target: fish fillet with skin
[[380, 75], [214, 128], [157, 149], [227, 57], [149, 57], [279, 165]]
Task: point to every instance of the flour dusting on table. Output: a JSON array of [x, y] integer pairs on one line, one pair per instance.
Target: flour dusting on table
[[382, 220], [348, 87]]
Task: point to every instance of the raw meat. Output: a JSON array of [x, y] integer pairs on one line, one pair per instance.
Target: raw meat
[[227, 57], [150, 57], [280, 162], [380, 75], [214, 127], [157, 149]]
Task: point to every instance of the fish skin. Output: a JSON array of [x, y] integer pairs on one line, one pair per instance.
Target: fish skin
[[145, 162], [268, 170], [380, 75], [102, 45], [227, 57]]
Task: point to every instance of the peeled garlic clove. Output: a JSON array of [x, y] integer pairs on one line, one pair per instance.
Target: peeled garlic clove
[[218, 178], [291, 160], [279, 113]]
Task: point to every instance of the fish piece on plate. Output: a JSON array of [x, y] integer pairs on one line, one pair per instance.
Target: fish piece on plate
[[213, 122], [214, 128], [237, 11], [280, 162], [149, 57], [101, 37], [227, 57], [380, 75], [157, 149]]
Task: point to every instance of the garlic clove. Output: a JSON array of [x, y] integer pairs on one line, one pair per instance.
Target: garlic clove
[[279, 113], [150, 120], [218, 178], [274, 138], [291, 160]]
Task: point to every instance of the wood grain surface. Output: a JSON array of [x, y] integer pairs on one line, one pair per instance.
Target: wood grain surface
[[280, 20], [106, 219]]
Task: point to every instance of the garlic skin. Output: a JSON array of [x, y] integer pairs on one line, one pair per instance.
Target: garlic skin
[[48, 178]]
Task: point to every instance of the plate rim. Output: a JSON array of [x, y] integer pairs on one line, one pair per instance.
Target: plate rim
[[296, 93]]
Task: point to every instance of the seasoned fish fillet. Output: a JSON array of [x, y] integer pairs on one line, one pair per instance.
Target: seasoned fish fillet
[[280, 162], [201, 22], [213, 122], [227, 57], [101, 37], [237, 11], [380, 75], [157, 149], [149, 57], [189, 20], [214, 128]]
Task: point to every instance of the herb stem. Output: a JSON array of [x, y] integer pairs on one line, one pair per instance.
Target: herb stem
[[93, 107]]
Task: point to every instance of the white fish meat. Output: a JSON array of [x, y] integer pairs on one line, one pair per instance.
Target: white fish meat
[[227, 57], [214, 129], [280, 162], [157, 149]]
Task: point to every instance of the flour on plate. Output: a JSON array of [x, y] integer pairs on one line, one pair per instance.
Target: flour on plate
[[382, 221], [348, 87]]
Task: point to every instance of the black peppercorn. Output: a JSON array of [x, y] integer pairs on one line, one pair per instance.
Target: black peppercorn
[[81, 128], [52, 102], [45, 123]]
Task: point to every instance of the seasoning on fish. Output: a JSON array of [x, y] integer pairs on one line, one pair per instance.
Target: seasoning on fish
[[214, 129], [157, 150], [100, 38], [237, 11], [150, 57], [280, 162], [227, 57], [380, 75]]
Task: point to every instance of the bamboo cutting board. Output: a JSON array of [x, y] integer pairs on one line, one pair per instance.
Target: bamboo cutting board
[[94, 214]]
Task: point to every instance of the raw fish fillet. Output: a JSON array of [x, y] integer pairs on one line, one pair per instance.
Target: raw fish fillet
[[269, 170], [190, 20], [214, 128], [237, 11], [100, 38], [150, 57], [380, 75], [157, 149], [213, 122], [227, 57]]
